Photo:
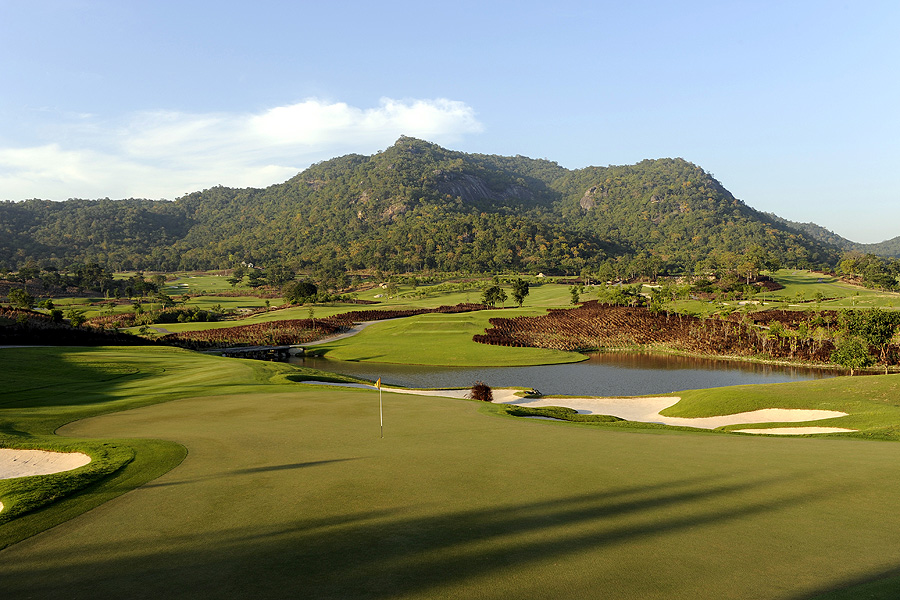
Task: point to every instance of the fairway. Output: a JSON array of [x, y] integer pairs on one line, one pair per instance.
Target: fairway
[[441, 339], [801, 288], [287, 491]]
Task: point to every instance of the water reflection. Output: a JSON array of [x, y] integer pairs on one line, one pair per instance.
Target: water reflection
[[608, 374]]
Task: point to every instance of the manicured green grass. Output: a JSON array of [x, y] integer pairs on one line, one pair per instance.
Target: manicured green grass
[[440, 339], [235, 303], [45, 388], [801, 287], [196, 283], [288, 490], [426, 339], [872, 403], [799, 293]]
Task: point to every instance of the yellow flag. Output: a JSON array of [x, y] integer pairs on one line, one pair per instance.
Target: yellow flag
[[378, 383]]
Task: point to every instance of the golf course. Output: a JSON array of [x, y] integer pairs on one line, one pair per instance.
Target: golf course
[[219, 477]]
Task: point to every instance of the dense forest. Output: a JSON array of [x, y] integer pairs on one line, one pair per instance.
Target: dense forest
[[888, 248], [418, 207]]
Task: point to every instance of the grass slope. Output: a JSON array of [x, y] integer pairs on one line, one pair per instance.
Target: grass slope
[[872, 402], [802, 286], [45, 388], [441, 339], [287, 490]]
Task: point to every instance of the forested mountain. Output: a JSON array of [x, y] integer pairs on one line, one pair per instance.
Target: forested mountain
[[418, 206], [888, 248]]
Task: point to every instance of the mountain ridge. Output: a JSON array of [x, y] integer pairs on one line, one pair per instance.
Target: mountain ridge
[[415, 206], [888, 248]]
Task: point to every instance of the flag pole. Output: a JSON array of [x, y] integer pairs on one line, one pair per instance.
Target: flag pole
[[380, 406]]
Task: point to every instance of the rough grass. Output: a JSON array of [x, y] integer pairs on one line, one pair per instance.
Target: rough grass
[[561, 413], [288, 489]]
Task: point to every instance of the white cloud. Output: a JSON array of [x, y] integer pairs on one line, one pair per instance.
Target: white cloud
[[167, 154]]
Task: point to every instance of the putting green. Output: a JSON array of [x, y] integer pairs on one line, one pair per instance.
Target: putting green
[[288, 491]]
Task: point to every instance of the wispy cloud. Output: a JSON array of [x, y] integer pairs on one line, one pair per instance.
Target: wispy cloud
[[166, 154]]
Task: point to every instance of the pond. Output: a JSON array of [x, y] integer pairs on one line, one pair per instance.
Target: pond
[[606, 374]]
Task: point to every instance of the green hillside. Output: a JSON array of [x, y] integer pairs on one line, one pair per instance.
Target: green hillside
[[888, 248], [418, 206]]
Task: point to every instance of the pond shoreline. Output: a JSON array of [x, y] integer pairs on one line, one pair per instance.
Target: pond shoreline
[[617, 374]]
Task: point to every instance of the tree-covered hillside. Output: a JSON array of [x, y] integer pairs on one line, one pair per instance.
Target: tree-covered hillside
[[888, 248], [418, 206]]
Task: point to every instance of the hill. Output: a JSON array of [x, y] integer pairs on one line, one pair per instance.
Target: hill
[[888, 248], [417, 206]]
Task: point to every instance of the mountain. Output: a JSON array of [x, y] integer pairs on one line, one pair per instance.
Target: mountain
[[418, 206], [888, 248]]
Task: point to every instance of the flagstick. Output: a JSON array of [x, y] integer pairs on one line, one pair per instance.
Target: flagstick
[[380, 412]]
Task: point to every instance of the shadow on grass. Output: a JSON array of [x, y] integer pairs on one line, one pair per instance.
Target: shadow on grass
[[251, 471], [883, 585], [382, 554], [64, 379]]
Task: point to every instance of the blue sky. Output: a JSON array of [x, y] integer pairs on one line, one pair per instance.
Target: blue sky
[[793, 106]]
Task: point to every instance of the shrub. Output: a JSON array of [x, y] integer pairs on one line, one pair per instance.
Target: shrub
[[481, 391]]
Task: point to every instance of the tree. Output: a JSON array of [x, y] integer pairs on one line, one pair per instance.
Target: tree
[[19, 298], [255, 278], [519, 291], [875, 327], [576, 294], [879, 327], [502, 297], [76, 317], [298, 292], [238, 272], [851, 352], [165, 300], [491, 295], [278, 275]]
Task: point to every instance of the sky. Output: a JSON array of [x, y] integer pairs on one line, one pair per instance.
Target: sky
[[793, 106]]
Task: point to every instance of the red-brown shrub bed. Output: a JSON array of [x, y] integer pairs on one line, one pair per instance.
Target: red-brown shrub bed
[[295, 331], [274, 333], [593, 326]]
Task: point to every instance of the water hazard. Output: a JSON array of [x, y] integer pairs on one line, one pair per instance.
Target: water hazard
[[608, 374]]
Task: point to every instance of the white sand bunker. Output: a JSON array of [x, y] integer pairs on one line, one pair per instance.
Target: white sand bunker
[[24, 463], [795, 430], [644, 410]]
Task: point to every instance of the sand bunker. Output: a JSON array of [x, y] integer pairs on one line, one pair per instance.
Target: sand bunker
[[24, 463], [645, 410], [795, 430]]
